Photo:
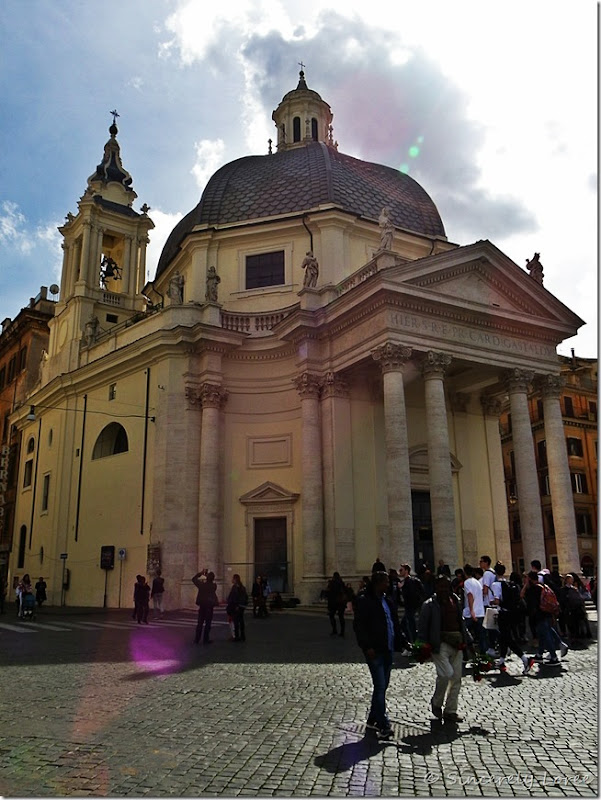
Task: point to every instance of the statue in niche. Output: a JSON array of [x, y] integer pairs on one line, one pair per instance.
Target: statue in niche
[[535, 268], [311, 268], [213, 281], [175, 292], [91, 330], [386, 229]]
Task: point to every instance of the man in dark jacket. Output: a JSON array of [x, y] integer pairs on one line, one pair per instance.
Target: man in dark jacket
[[206, 600], [441, 626], [378, 635]]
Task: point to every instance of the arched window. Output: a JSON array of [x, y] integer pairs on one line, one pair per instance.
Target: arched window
[[31, 445], [314, 129], [296, 133], [110, 441]]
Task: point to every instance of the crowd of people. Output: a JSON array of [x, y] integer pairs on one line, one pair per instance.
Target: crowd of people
[[480, 612]]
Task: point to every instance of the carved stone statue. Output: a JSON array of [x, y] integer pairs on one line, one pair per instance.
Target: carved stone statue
[[386, 229], [535, 268], [175, 291], [311, 268], [213, 281], [91, 330]]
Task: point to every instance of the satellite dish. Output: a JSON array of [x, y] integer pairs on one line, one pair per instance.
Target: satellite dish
[[54, 289]]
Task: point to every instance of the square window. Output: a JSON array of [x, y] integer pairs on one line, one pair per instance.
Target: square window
[[265, 269]]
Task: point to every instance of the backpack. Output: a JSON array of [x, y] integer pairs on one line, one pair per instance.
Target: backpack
[[549, 604], [510, 596]]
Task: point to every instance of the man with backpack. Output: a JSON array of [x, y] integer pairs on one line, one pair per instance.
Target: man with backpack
[[505, 595], [542, 608]]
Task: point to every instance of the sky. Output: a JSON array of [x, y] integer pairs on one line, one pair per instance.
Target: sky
[[491, 107]]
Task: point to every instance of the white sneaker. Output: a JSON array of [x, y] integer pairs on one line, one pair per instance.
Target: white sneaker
[[563, 649]]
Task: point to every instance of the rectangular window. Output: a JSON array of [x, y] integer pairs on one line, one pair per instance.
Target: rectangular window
[[541, 448], [540, 409], [554, 563], [11, 368], [579, 485], [5, 428], [592, 408], [584, 524], [512, 462], [516, 530], [574, 446], [550, 532], [27, 473], [569, 406], [112, 391], [22, 359], [265, 269], [45, 492], [545, 488], [2, 377], [112, 318]]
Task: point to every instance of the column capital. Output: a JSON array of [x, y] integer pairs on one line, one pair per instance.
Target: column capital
[[550, 385], [491, 406], [212, 396], [434, 365], [518, 380], [391, 356], [334, 386], [307, 385], [192, 394]]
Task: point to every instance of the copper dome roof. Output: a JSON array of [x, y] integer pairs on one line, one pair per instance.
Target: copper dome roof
[[300, 180]]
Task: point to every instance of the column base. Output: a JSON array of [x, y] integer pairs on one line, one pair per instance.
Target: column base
[[309, 588]]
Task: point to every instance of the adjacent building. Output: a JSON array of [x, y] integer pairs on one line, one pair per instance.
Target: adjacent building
[[23, 348], [313, 378]]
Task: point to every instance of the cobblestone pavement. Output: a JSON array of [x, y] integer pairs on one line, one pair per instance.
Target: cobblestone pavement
[[96, 705]]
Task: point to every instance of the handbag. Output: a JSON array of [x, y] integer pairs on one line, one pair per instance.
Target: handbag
[[491, 619]]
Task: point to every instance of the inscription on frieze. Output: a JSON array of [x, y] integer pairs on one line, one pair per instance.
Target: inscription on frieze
[[469, 336]]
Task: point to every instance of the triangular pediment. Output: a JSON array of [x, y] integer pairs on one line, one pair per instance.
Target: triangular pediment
[[481, 277], [268, 492], [478, 283]]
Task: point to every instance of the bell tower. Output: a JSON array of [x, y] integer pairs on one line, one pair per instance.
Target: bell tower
[[104, 261], [303, 117]]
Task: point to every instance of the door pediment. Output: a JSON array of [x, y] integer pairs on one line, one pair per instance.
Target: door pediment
[[269, 492]]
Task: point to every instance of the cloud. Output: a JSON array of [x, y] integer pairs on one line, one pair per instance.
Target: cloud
[[13, 229], [209, 156], [163, 225]]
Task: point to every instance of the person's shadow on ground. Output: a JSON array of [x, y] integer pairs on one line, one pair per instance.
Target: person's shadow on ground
[[344, 757]]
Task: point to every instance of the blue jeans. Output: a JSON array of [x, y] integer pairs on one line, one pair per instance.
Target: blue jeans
[[380, 668], [546, 640]]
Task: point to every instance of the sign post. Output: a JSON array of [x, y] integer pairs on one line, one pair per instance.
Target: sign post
[[107, 562], [64, 560]]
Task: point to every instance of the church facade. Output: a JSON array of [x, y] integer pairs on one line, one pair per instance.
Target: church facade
[[313, 378]]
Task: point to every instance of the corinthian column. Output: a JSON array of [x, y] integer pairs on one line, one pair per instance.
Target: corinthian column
[[211, 398], [399, 547], [531, 519], [308, 387], [439, 460], [562, 500]]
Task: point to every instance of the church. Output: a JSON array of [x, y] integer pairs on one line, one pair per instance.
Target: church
[[312, 378]]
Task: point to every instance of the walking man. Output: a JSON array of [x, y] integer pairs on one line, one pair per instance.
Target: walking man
[[441, 626], [378, 635]]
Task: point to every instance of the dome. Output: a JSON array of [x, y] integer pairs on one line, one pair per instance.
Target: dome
[[300, 180]]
